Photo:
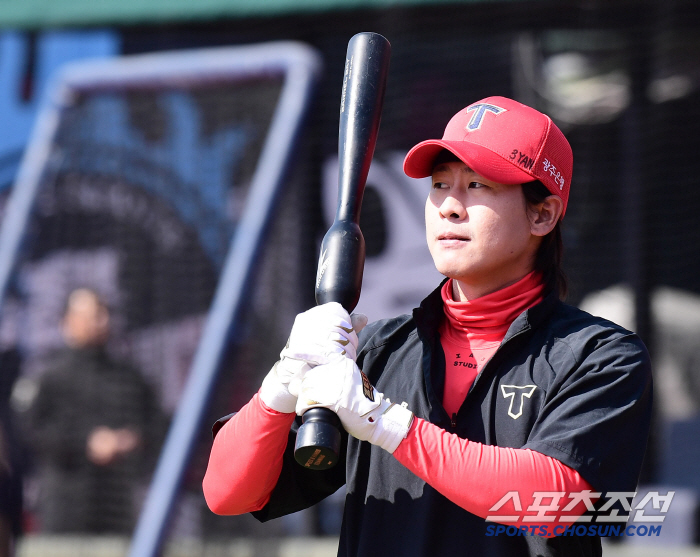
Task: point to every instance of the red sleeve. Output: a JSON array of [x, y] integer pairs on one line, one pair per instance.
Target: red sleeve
[[246, 459], [478, 477]]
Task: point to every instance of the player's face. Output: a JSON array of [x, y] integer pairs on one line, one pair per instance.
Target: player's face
[[478, 231]]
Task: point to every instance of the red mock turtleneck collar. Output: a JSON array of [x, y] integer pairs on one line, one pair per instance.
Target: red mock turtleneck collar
[[494, 312]]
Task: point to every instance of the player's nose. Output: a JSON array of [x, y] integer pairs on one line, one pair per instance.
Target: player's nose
[[452, 208]]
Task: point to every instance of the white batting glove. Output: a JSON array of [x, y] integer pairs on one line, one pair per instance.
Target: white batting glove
[[365, 413], [320, 335]]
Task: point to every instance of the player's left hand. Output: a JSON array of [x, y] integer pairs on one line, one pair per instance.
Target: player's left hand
[[365, 413], [319, 335]]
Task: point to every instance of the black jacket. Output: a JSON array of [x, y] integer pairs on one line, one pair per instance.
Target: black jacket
[[590, 409], [84, 389]]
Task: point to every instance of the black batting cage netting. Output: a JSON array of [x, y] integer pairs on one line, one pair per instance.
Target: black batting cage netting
[[138, 201], [143, 191]]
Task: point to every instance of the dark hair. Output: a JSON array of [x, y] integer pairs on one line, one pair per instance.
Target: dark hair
[[445, 156], [549, 256]]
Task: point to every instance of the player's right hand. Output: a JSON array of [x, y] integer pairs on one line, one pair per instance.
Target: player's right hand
[[323, 333], [319, 336]]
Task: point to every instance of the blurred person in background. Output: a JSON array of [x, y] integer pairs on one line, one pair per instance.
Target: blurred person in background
[[96, 427]]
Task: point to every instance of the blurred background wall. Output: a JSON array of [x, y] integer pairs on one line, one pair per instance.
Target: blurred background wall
[[149, 187]]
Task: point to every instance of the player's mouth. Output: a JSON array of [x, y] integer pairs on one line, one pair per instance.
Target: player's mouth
[[449, 239]]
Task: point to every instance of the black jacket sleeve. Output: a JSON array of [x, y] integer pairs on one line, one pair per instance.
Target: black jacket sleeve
[[595, 419], [299, 488]]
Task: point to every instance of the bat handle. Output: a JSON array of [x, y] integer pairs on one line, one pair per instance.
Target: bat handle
[[318, 439]]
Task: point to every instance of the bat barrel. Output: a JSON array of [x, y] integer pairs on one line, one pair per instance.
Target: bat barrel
[[364, 83]]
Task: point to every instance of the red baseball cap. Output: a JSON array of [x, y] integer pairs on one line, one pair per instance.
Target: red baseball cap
[[504, 141]]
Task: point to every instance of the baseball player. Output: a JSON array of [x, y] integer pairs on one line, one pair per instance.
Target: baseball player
[[493, 405]]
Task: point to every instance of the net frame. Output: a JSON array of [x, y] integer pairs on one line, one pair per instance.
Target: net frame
[[299, 67]]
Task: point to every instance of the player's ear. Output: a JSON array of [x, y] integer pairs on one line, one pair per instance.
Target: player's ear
[[544, 216]]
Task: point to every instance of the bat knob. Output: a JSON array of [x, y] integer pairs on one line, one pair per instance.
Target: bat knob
[[318, 439]]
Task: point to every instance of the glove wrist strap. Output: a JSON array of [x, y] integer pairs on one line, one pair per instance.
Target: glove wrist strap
[[393, 426]]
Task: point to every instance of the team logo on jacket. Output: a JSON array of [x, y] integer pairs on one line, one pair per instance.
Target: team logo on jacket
[[517, 396]]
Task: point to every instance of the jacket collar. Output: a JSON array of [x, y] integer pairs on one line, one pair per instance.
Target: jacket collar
[[534, 317], [430, 313]]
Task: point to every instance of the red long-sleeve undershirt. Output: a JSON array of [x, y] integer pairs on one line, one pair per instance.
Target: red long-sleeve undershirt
[[472, 331], [246, 457], [477, 477]]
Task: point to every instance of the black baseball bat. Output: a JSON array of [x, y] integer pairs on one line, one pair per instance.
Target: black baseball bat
[[342, 258]]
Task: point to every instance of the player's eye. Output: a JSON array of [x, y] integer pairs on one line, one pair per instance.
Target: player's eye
[[477, 185], [439, 185]]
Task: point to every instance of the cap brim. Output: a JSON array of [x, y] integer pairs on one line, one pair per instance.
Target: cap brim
[[419, 161]]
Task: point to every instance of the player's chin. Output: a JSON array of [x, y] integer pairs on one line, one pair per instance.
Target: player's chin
[[451, 267], [451, 255]]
